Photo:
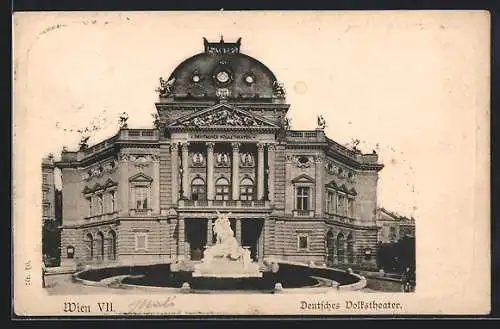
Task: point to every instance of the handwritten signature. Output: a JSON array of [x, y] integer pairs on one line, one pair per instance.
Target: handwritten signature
[[149, 305]]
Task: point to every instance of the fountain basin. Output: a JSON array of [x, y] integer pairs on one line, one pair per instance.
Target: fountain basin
[[222, 268]]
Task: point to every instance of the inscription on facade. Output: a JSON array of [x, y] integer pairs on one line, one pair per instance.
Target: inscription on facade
[[221, 136]]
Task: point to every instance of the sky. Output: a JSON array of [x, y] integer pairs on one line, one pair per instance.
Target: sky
[[405, 84]]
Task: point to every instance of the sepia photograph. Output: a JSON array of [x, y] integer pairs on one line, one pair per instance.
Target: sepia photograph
[[257, 163]]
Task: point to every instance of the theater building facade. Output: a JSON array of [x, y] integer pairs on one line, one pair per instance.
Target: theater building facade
[[221, 143]]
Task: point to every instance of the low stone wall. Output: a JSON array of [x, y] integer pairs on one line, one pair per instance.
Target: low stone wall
[[353, 281], [329, 279]]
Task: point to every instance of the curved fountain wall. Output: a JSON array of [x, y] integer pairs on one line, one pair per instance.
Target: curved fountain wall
[[327, 278]]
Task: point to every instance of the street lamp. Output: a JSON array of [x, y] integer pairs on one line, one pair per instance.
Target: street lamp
[[181, 189], [266, 191]]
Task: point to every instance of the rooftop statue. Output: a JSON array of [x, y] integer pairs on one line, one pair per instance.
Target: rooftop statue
[[84, 142], [123, 120], [279, 89], [321, 122], [166, 87]]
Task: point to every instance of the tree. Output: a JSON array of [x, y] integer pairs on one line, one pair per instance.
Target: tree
[[51, 240], [396, 256]]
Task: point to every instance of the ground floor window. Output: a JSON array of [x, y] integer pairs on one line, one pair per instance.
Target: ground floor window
[[111, 245], [340, 248], [99, 242], [330, 246], [368, 254], [302, 241], [141, 242], [89, 243]]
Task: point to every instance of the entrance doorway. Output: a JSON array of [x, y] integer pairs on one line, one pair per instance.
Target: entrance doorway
[[196, 237], [252, 237]]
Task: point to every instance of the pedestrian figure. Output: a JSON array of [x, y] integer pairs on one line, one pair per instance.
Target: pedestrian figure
[[405, 280]]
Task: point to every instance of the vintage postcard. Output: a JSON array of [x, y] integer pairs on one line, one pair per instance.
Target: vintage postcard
[[251, 163]]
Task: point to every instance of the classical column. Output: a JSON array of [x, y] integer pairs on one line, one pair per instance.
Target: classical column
[[175, 172], [236, 170], [260, 171], [238, 230], [210, 232], [185, 183], [181, 247], [210, 170], [319, 190], [270, 165]]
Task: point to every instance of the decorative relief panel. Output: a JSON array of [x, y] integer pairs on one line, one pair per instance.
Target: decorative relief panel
[[340, 171], [140, 160], [99, 170], [303, 161], [222, 160], [247, 160], [224, 117], [197, 159]]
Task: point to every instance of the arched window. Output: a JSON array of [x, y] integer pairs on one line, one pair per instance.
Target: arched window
[[330, 247], [112, 245], [350, 248], [100, 245], [246, 189], [340, 247], [198, 189], [89, 242], [222, 189]]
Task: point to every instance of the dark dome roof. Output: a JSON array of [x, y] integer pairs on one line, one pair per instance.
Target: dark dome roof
[[242, 75]]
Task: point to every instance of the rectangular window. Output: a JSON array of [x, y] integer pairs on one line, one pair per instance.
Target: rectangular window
[[112, 201], [340, 205], [141, 197], [350, 207], [331, 202], [89, 203], [246, 192], [222, 193], [100, 205], [141, 241], [302, 241], [303, 198]]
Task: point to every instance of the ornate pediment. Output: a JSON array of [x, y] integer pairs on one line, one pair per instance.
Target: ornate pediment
[[140, 178], [222, 115], [303, 179]]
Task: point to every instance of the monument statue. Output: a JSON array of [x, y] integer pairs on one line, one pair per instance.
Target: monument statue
[[226, 258]]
